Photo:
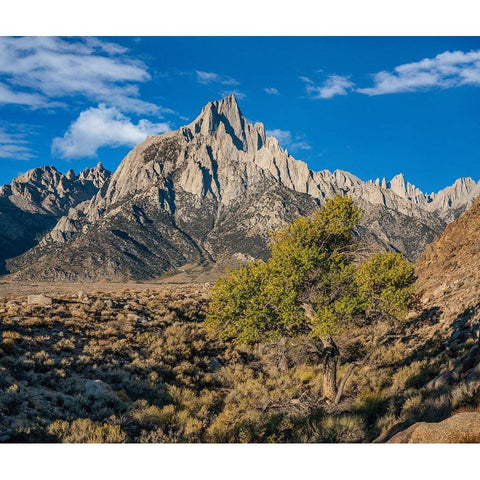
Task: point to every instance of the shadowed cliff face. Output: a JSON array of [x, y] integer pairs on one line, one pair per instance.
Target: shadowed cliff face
[[448, 270], [32, 204], [210, 192]]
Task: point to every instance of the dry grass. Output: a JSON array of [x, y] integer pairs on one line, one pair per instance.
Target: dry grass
[[165, 380]]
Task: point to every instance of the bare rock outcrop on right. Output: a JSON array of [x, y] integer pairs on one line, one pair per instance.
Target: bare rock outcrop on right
[[460, 428], [449, 269]]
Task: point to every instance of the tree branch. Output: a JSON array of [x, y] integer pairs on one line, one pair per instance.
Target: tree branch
[[342, 384]]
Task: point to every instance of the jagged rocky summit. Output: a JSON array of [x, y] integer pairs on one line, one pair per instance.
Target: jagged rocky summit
[[32, 204], [209, 193]]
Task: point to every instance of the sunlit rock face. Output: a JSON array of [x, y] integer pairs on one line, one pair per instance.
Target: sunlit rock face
[[210, 193]]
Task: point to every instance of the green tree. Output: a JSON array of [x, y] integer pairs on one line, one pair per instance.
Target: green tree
[[311, 285]]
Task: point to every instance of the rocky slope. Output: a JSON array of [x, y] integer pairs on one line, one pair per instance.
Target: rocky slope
[[444, 338], [210, 192], [449, 284], [33, 203], [449, 268]]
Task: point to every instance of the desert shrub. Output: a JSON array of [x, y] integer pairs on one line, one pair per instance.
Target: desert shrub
[[343, 428], [436, 407], [386, 422], [240, 425], [10, 336], [84, 430], [13, 399], [413, 375], [370, 404], [306, 373], [412, 407], [460, 396], [151, 416]]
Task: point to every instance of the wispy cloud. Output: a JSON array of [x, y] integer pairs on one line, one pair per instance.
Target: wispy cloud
[[271, 91], [289, 140], [101, 127], [40, 72], [239, 94], [14, 145], [333, 85], [212, 77], [12, 97], [446, 70]]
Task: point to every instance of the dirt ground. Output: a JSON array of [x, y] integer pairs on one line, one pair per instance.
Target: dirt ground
[[10, 290], [189, 275]]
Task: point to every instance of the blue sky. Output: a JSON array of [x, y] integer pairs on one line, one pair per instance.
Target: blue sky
[[372, 106]]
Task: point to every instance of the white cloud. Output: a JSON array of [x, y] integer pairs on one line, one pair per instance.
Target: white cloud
[[283, 136], [289, 140], [101, 127], [446, 70], [240, 95], [13, 145], [212, 77], [332, 86], [9, 96], [271, 91], [36, 70]]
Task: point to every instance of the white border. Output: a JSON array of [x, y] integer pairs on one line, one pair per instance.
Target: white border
[[243, 462], [240, 17], [243, 17]]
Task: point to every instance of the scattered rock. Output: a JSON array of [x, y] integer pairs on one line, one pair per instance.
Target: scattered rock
[[136, 318], [109, 303], [445, 378], [40, 300], [97, 388], [214, 364], [473, 378], [441, 290], [82, 296], [457, 335]]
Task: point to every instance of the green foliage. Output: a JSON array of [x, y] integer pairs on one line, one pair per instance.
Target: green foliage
[[386, 285], [240, 308], [310, 284]]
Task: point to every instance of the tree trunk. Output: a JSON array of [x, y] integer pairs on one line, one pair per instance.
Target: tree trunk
[[330, 369], [342, 384], [282, 357]]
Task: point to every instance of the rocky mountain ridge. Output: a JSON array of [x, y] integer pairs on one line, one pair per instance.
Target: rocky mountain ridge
[[209, 193], [34, 202]]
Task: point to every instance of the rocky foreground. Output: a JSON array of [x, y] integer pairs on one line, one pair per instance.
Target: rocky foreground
[[136, 365]]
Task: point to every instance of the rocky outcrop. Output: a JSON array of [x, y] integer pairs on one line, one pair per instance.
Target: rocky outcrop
[[460, 428], [448, 269], [210, 192], [34, 201], [45, 190]]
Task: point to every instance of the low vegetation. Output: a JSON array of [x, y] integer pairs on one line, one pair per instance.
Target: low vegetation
[[140, 367], [244, 362]]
